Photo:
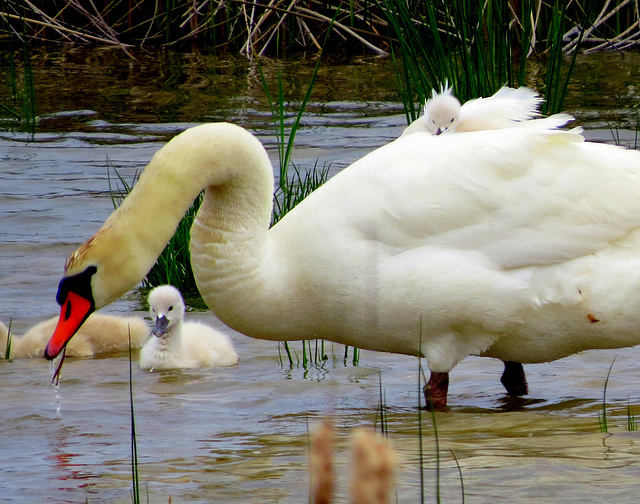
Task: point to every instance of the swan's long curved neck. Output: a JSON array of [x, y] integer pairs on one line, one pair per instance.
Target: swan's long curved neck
[[225, 159], [230, 252]]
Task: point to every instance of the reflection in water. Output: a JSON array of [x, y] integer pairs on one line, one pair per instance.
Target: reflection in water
[[239, 434]]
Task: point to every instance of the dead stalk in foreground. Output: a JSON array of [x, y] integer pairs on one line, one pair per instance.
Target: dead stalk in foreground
[[373, 465]]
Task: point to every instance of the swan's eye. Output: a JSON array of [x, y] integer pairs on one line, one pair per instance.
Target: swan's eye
[[170, 308], [452, 119]]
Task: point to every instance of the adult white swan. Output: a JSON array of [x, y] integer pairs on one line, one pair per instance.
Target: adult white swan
[[521, 244]]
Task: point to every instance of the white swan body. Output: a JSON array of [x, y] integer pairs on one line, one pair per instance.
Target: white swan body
[[100, 334], [521, 244], [177, 344], [508, 107]]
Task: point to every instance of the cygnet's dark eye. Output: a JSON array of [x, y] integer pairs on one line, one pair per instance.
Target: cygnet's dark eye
[[170, 308], [452, 119]]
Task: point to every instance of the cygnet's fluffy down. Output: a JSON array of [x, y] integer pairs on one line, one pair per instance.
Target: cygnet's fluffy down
[[507, 108], [100, 334], [442, 112], [177, 344]]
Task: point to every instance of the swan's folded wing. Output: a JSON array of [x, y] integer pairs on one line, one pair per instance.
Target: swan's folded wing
[[521, 197]]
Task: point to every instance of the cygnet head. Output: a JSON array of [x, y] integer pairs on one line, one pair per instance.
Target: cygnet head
[[443, 112], [167, 308]]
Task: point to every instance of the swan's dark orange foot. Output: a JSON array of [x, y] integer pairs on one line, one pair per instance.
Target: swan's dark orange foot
[[514, 379], [435, 391]]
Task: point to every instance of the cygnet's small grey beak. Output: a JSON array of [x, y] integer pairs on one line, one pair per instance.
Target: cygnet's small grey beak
[[161, 326], [440, 131]]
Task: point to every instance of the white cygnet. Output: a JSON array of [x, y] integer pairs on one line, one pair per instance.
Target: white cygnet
[[176, 344], [507, 108]]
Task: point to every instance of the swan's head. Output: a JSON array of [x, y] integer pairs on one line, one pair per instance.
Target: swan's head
[[443, 113], [94, 277], [167, 308]]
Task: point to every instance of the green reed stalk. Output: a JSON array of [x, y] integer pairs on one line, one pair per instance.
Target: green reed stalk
[[632, 425], [602, 417], [420, 443], [29, 114], [286, 137], [466, 43], [7, 350], [22, 87], [305, 359], [422, 378], [557, 80], [293, 186], [459, 473], [381, 412], [134, 445], [477, 46]]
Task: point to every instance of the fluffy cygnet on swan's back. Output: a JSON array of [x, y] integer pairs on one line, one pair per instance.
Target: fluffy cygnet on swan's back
[[178, 344], [507, 108], [99, 334]]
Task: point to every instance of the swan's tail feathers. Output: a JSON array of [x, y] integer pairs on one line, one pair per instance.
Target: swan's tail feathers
[[554, 121], [507, 106]]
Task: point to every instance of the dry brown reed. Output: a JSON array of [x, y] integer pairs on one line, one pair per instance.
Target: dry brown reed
[[275, 26], [373, 465], [321, 463], [244, 26], [373, 468]]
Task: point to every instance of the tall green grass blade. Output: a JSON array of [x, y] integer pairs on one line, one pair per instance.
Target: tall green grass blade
[[134, 445], [602, 418], [356, 356], [29, 114], [293, 186], [285, 344], [476, 45], [21, 84], [286, 142], [420, 441], [7, 350], [297, 187], [381, 413], [632, 425], [557, 79], [305, 359]]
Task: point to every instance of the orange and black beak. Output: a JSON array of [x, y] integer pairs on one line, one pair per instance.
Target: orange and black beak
[[76, 301], [75, 310]]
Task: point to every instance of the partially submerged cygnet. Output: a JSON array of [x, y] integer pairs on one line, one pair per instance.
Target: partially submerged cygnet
[[177, 344], [99, 335]]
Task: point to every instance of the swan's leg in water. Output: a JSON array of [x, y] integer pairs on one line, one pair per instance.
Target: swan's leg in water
[[435, 391], [514, 379]]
